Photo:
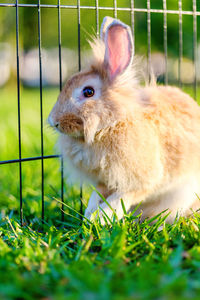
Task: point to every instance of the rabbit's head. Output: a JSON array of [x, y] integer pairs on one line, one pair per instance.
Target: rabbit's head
[[93, 99]]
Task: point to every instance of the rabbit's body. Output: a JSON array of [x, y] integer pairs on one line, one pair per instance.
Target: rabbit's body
[[137, 143], [156, 162]]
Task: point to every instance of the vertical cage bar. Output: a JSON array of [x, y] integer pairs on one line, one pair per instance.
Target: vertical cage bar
[[133, 23], [59, 46], [165, 38], [79, 35], [97, 17], [149, 39], [180, 42], [195, 46], [19, 114], [79, 67], [115, 8], [41, 108], [60, 85]]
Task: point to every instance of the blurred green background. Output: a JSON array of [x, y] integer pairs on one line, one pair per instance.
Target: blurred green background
[[29, 79], [28, 34], [28, 24]]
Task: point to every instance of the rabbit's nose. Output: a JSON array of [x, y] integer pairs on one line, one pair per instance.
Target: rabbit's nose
[[52, 123]]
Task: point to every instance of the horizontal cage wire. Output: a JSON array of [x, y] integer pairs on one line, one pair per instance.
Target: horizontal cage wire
[[133, 11], [108, 8]]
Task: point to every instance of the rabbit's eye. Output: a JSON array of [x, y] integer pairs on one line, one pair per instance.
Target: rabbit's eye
[[88, 91]]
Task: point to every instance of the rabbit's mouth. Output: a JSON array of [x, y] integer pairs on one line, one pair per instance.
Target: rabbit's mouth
[[76, 135]]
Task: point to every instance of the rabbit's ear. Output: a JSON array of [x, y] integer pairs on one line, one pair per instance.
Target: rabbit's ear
[[118, 48], [106, 22]]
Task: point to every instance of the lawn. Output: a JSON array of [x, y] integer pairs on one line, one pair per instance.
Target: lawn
[[75, 259]]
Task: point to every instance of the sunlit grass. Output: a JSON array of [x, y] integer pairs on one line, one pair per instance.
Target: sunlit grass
[[124, 260]]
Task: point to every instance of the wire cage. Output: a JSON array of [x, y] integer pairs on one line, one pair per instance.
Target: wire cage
[[166, 32]]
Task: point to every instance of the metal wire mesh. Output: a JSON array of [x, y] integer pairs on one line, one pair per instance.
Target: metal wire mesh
[[114, 10]]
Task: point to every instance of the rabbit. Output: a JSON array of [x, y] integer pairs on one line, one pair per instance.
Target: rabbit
[[139, 143]]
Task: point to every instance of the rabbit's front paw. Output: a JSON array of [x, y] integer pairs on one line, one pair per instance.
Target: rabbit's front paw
[[92, 206], [106, 213]]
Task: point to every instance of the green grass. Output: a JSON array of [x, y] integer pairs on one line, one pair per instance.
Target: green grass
[[125, 261], [75, 260]]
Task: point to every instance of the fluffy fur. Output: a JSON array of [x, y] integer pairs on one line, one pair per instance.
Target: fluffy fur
[[136, 143]]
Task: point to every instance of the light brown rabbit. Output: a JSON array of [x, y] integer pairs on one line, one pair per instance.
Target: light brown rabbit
[[137, 143]]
